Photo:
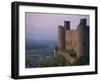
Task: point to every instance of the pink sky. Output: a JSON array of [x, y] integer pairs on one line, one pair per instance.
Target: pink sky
[[43, 26]]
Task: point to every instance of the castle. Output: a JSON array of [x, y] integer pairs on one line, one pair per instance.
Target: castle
[[73, 39]]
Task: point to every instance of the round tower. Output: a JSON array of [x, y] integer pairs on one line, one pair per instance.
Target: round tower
[[83, 39], [61, 37], [82, 22], [67, 25]]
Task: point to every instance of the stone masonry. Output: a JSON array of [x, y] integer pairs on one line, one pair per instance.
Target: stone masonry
[[74, 39]]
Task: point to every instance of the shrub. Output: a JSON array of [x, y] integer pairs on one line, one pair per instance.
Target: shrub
[[82, 61], [53, 61]]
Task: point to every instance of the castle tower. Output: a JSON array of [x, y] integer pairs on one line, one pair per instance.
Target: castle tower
[[83, 39], [61, 37], [67, 25], [82, 22]]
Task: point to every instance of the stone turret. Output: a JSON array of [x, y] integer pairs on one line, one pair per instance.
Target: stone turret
[[67, 25], [83, 38], [61, 37], [82, 22]]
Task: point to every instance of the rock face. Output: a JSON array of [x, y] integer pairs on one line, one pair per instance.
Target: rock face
[[77, 39], [66, 56]]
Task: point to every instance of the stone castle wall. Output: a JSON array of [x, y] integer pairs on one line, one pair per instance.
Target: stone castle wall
[[77, 40]]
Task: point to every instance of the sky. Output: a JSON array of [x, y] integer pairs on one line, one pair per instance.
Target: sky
[[44, 26]]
